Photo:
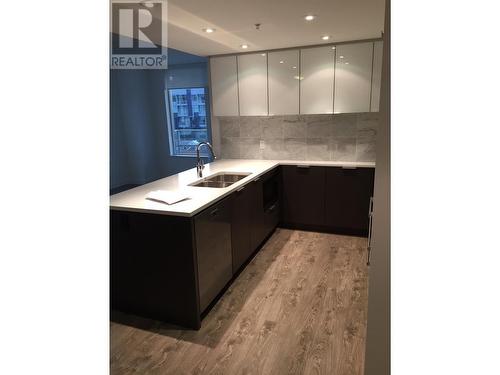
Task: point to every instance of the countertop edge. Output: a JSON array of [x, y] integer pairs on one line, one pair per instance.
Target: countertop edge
[[231, 189], [235, 187]]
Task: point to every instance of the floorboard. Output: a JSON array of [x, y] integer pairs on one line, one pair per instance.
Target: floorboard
[[299, 307]]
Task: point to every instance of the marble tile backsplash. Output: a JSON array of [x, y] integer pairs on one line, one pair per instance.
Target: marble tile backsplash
[[342, 137]]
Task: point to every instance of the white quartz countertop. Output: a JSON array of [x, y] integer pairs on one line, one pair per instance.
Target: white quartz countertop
[[203, 197]]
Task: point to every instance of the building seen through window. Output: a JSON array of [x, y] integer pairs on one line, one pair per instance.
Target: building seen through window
[[188, 119]]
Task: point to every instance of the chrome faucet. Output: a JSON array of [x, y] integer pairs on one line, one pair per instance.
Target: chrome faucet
[[199, 161]]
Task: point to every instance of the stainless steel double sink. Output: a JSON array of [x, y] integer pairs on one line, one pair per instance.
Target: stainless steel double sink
[[221, 179]]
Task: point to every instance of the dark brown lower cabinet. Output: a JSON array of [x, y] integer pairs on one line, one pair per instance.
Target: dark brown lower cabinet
[[256, 213], [213, 247], [303, 196], [171, 268], [266, 215], [347, 199], [242, 225], [271, 218], [331, 199], [153, 267], [271, 190], [257, 230]]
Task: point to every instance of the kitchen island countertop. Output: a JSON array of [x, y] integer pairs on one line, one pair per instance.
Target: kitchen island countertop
[[202, 197]]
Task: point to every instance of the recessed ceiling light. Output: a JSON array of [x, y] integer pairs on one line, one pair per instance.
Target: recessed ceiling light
[[333, 47], [208, 30], [294, 67], [263, 54], [347, 63], [325, 37], [341, 56], [244, 46], [281, 62], [309, 17]]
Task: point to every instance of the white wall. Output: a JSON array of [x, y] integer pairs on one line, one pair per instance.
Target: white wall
[[377, 358]]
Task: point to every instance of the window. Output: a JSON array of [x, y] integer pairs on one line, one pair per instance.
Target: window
[[188, 120]]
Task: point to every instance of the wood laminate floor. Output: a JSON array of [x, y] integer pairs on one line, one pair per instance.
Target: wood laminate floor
[[299, 307]]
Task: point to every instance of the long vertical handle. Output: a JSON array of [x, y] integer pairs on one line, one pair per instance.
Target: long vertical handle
[[370, 217]]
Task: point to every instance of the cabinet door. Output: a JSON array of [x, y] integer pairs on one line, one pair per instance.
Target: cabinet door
[[256, 213], [316, 85], [241, 225], [258, 229], [252, 84], [378, 48], [271, 197], [213, 246], [224, 84], [353, 72], [348, 193], [283, 82], [303, 195]]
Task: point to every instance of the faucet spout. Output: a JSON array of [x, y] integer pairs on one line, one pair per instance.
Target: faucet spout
[[199, 162]]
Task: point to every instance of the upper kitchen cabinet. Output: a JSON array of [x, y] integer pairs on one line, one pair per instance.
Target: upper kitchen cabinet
[[252, 84], [317, 77], [283, 76], [377, 75], [224, 82], [353, 73]]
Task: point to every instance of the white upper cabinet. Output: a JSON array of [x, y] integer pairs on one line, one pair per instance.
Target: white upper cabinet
[[283, 75], [224, 84], [353, 73], [252, 84], [316, 85], [377, 75], [318, 80]]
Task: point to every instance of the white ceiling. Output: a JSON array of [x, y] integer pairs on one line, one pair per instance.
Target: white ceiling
[[282, 23]]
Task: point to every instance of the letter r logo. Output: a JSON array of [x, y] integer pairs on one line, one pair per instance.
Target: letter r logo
[[137, 28]]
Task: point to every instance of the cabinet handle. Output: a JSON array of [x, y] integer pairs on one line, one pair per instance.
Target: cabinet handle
[[257, 179], [370, 207], [349, 167], [271, 208], [214, 212], [240, 189], [303, 166], [370, 217]]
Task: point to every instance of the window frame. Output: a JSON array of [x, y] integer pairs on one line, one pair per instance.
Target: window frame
[[170, 122]]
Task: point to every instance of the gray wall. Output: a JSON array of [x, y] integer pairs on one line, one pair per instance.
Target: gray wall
[[342, 137], [139, 140], [377, 358], [139, 149]]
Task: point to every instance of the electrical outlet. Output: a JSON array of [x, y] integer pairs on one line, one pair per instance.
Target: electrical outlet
[[262, 145]]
